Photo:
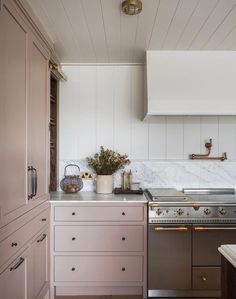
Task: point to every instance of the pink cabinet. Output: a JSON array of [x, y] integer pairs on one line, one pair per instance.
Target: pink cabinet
[[24, 99], [13, 98], [98, 248]]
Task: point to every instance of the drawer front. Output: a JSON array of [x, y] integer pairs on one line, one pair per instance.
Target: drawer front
[[98, 213], [206, 278], [19, 238], [99, 268], [99, 238]]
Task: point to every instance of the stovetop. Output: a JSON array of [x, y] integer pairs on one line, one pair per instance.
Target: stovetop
[[172, 196]]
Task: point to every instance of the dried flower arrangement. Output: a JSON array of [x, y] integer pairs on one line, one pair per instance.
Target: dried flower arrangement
[[107, 161]]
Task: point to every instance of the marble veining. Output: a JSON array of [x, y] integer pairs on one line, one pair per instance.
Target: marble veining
[[166, 174]]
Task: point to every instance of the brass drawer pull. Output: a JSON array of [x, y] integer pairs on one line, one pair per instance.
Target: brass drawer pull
[[43, 237], [44, 219], [14, 244], [201, 228], [181, 228], [17, 265]]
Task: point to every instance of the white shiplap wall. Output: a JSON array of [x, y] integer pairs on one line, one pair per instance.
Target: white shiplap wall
[[103, 105]]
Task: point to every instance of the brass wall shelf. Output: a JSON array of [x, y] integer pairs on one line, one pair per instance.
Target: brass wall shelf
[[206, 156]]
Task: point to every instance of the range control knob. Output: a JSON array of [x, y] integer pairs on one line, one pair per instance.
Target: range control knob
[[207, 211], [222, 211], [158, 211], [179, 212]]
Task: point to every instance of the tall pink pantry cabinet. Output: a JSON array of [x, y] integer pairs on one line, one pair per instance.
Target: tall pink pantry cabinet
[[24, 154]]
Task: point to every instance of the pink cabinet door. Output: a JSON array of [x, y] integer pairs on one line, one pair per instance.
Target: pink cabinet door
[[39, 252], [13, 281], [38, 122], [13, 95]]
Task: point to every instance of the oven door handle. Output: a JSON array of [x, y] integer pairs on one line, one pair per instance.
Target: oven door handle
[[179, 228], [201, 228]]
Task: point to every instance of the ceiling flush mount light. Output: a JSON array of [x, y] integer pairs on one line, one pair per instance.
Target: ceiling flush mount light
[[132, 7]]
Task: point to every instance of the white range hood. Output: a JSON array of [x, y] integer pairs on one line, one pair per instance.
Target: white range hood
[[191, 83]]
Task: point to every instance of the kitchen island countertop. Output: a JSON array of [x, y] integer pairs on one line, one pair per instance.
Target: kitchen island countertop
[[229, 252], [92, 197]]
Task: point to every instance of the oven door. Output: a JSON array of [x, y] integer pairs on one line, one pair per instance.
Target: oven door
[[169, 259], [207, 239]]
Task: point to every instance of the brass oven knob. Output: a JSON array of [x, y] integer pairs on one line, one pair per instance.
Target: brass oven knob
[[222, 211], [207, 211]]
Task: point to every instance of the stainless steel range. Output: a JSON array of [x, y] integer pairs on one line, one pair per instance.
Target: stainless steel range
[[185, 230]]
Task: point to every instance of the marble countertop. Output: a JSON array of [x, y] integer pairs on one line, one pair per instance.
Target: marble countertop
[[87, 196], [229, 252]]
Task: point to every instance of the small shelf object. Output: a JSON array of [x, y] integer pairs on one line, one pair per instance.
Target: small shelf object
[[207, 156]]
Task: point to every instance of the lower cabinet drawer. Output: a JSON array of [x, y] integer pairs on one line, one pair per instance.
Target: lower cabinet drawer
[[78, 213], [19, 238], [206, 278], [99, 238], [99, 268]]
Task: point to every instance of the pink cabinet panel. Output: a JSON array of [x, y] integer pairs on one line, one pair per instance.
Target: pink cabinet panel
[[99, 238], [99, 268]]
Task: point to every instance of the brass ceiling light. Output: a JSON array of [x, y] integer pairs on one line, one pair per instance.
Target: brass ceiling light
[[132, 7]]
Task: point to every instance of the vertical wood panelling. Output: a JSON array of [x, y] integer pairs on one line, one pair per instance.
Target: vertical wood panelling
[[227, 136], [87, 113], [122, 112], [139, 129], [174, 137], [210, 129], [192, 135], [157, 138], [103, 105]]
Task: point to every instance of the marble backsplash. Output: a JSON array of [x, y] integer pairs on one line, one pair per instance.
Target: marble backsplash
[[170, 174]]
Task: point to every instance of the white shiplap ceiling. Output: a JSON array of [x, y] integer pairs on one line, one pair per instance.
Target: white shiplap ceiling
[[96, 31]]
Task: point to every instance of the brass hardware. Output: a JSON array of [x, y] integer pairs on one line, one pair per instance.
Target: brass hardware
[[57, 71], [196, 207], [153, 205], [201, 228], [203, 278], [132, 7], [208, 146], [180, 228]]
